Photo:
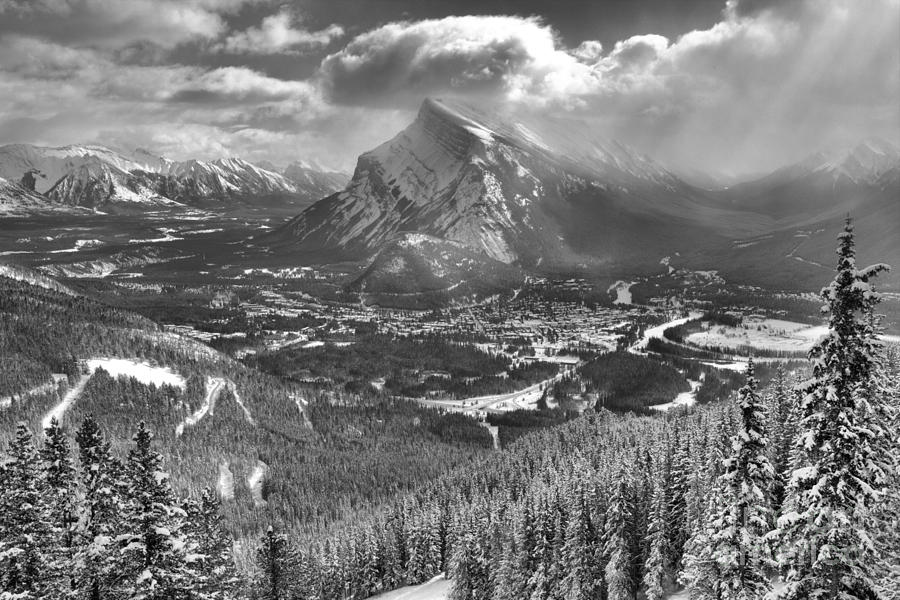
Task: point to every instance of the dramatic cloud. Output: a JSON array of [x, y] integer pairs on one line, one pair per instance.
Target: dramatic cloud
[[769, 82], [277, 33], [117, 23], [401, 62]]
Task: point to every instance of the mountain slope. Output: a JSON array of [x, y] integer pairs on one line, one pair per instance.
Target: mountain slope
[[317, 182], [539, 193], [17, 201], [824, 185], [807, 203], [420, 271]]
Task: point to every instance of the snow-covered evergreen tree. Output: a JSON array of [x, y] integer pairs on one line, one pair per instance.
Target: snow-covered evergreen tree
[[579, 555], [275, 565], [781, 432], [24, 523], [727, 558], [655, 573], [155, 549], [887, 530], [211, 542], [825, 534], [618, 565], [59, 478], [740, 547], [97, 562]]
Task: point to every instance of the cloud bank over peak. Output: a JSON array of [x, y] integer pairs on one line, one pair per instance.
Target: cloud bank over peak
[[769, 82], [789, 76]]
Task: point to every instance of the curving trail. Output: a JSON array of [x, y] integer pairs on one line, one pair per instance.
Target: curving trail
[[237, 398], [214, 388]]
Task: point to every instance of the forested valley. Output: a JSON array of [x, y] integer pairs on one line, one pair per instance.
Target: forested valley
[[789, 487]]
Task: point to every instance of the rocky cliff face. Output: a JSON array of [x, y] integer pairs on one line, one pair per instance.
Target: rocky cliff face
[[516, 193]]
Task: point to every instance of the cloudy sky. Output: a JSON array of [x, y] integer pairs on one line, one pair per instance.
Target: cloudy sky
[[736, 86]]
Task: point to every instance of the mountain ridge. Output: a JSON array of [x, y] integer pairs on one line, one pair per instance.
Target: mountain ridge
[[96, 177]]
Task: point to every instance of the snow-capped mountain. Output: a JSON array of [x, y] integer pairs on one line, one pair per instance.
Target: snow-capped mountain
[[319, 181], [523, 191], [825, 184], [195, 181], [865, 163], [98, 177]]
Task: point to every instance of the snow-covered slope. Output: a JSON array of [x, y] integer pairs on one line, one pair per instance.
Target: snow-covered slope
[[313, 180], [517, 190], [421, 271]]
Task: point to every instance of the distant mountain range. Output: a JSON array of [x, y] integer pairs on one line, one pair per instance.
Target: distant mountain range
[[551, 194], [499, 195], [40, 179]]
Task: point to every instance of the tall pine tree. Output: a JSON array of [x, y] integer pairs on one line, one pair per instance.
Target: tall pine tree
[[24, 526], [825, 534], [155, 547]]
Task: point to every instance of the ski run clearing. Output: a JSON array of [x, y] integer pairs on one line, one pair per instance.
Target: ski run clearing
[[682, 399], [255, 481], [214, 388], [116, 367], [142, 371], [225, 484]]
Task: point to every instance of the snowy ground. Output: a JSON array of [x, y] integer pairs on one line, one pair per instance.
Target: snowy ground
[[623, 292], [682, 399], [439, 589], [765, 334], [225, 483], [255, 481], [436, 589], [142, 371]]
